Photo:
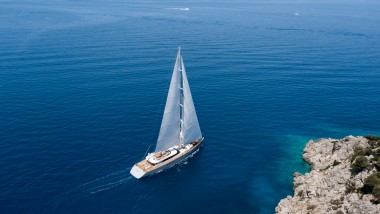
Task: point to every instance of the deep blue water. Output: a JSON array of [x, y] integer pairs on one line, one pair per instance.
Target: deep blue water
[[83, 86]]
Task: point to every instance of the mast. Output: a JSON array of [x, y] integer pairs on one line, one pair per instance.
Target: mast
[[190, 127], [181, 102], [170, 125], [179, 124]]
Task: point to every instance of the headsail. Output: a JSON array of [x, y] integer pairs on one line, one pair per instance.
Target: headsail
[[191, 130], [169, 131], [180, 136], [171, 128]]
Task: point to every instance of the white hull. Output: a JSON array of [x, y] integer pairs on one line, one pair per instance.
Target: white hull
[[139, 172], [180, 135]]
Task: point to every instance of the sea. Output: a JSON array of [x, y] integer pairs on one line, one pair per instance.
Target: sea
[[83, 86]]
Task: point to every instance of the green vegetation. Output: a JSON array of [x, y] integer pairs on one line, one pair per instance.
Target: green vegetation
[[376, 192], [376, 152], [376, 162], [360, 164], [370, 182], [361, 152], [372, 185], [374, 141], [360, 161], [374, 138]]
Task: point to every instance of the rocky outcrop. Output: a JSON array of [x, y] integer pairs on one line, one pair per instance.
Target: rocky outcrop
[[332, 186]]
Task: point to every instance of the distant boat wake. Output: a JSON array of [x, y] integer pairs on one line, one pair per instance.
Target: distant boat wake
[[92, 187], [178, 8]]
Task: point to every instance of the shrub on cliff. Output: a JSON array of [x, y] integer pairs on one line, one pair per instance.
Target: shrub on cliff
[[376, 192], [374, 138], [374, 141], [360, 164], [361, 152], [370, 183], [376, 152]]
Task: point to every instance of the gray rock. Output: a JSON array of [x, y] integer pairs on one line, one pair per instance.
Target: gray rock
[[324, 189]]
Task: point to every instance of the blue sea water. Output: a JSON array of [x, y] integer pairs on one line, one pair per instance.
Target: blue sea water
[[83, 86]]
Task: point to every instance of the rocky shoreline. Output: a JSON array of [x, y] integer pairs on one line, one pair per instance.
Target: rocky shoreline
[[343, 178]]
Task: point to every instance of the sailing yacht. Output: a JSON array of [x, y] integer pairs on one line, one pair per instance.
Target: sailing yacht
[[180, 135]]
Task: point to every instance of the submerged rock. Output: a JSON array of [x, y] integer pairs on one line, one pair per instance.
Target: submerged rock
[[332, 186]]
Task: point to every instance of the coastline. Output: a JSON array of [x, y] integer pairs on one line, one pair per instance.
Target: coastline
[[336, 181]]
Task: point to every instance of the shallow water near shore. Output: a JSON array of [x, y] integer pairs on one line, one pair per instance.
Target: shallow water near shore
[[83, 87]]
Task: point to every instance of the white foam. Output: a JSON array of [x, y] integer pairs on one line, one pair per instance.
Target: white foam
[[108, 185], [179, 8]]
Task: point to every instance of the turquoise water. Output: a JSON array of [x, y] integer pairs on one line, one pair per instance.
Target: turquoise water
[[83, 86]]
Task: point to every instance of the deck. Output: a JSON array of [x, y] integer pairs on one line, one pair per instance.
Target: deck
[[146, 166]]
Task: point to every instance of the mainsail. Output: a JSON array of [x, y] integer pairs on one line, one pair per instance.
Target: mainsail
[[169, 131], [171, 128]]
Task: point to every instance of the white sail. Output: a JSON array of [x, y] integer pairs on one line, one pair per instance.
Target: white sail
[[191, 130], [180, 136], [169, 131]]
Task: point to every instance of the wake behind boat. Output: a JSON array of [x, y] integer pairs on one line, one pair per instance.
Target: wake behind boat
[[180, 135]]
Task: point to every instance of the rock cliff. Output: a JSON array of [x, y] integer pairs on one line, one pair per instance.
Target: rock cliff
[[339, 179]]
